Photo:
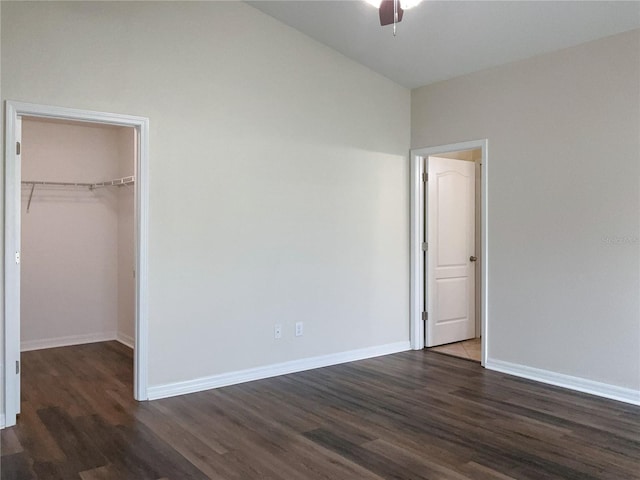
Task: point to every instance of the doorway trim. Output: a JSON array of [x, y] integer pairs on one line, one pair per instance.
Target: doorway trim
[[417, 156], [12, 234]]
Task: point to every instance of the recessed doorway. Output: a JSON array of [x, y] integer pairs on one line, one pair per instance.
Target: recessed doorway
[[449, 245], [16, 112]]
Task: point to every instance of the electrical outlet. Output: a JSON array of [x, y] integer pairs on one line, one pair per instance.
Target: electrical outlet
[[277, 331], [299, 329]]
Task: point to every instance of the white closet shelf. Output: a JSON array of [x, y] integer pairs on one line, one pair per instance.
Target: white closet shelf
[[59, 184], [118, 182]]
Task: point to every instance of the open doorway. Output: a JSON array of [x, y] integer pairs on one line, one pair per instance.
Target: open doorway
[[77, 282], [76, 206], [449, 245]]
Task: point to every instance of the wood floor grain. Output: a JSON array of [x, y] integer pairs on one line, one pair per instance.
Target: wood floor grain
[[413, 415]]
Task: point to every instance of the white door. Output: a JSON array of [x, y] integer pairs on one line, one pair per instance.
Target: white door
[[450, 256]]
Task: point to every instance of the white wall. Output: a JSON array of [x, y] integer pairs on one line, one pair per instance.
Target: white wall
[[564, 151], [70, 241], [278, 173]]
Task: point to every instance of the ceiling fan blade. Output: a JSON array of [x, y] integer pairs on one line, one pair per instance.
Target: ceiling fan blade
[[386, 12]]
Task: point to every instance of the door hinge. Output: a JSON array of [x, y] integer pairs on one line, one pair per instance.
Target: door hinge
[[425, 316], [425, 177], [17, 258], [425, 246], [17, 367], [17, 148]]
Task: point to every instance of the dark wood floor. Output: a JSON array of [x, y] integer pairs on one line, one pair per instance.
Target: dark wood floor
[[414, 415]]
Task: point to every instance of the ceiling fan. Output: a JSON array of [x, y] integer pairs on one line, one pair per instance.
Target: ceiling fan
[[391, 10]]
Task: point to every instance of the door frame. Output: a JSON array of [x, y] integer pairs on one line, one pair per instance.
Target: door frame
[[12, 235], [417, 330]]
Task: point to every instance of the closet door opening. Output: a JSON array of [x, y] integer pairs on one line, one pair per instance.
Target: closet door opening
[[76, 219], [77, 238], [77, 276]]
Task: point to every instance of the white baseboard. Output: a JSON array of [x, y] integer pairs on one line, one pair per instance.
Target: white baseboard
[[29, 345], [2, 422], [592, 387], [241, 376], [125, 339]]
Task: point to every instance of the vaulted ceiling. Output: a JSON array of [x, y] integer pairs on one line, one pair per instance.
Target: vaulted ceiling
[[438, 40]]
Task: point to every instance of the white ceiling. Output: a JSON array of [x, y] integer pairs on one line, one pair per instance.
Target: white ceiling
[[438, 40]]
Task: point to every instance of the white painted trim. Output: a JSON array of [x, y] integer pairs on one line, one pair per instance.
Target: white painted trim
[[613, 392], [484, 263], [417, 229], [126, 340], [258, 373], [11, 270], [2, 422], [14, 110], [140, 354], [417, 267], [30, 345]]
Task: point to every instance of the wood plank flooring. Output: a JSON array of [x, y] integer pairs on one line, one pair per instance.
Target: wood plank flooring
[[413, 415]]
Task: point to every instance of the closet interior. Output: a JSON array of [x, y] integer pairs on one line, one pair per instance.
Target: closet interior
[[77, 273]]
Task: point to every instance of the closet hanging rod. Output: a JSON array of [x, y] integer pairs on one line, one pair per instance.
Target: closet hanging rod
[[65, 184], [118, 182], [109, 183]]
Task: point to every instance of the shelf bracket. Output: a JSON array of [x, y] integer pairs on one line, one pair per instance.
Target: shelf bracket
[[33, 187]]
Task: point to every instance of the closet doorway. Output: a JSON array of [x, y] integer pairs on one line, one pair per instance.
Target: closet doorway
[[75, 235]]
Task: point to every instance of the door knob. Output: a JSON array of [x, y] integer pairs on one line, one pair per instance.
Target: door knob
[[472, 258]]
